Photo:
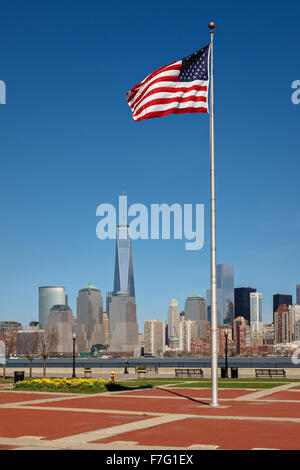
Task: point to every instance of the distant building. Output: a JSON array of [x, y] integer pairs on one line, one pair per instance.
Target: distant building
[[236, 323], [195, 308], [295, 312], [62, 324], [297, 331], [202, 346], [225, 295], [173, 321], [296, 322], [173, 343], [269, 333], [298, 294], [7, 325], [124, 278], [106, 327], [90, 314], [123, 326], [281, 299], [256, 312], [242, 335], [188, 329], [283, 325], [108, 300], [242, 302], [49, 296], [257, 339], [154, 337], [28, 341], [8, 334]]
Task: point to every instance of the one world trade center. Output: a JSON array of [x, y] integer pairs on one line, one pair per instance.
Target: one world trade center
[[124, 278]]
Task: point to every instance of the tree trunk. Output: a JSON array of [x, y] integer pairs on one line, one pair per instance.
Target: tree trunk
[[30, 367], [44, 367], [4, 375]]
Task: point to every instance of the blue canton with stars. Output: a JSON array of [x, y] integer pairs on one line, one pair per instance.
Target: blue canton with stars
[[195, 66]]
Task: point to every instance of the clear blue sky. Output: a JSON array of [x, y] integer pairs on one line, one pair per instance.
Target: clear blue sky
[[68, 143]]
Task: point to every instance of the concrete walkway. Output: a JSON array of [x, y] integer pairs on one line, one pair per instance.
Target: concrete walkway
[[158, 418]]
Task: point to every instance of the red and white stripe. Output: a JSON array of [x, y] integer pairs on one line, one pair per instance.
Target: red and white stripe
[[161, 93]]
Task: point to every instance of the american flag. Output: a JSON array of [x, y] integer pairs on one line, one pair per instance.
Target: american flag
[[179, 87]]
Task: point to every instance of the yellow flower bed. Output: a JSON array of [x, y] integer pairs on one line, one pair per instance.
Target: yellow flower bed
[[61, 383]]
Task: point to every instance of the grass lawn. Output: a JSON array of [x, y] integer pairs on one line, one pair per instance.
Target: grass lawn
[[150, 382], [7, 380], [206, 383]]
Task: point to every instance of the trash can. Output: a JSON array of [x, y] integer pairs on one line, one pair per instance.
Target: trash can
[[234, 372], [224, 373], [19, 375], [87, 372]]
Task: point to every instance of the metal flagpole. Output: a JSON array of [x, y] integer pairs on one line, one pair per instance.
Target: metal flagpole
[[213, 280]]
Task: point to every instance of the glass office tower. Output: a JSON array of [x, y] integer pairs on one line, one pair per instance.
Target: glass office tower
[[124, 279], [298, 294], [256, 311], [225, 287], [49, 296], [225, 295], [281, 299], [242, 302], [195, 308]]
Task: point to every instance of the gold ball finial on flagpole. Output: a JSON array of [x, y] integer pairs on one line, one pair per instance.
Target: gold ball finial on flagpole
[[211, 25]]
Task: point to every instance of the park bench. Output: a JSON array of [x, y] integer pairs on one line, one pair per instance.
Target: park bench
[[188, 372], [269, 373], [152, 369], [149, 369]]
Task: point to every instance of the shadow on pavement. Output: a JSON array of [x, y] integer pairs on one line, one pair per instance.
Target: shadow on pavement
[[183, 396]]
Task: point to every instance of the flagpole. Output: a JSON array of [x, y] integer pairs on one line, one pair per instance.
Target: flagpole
[[213, 279]]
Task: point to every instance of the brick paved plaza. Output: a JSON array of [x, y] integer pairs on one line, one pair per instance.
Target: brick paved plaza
[[159, 418]]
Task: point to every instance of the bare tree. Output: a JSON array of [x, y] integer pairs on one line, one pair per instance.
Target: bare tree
[[46, 345], [28, 345], [9, 336]]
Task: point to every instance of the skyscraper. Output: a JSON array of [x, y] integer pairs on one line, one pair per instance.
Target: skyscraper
[[123, 326], [49, 296], [195, 308], [61, 325], [256, 312], [173, 320], [225, 294], [283, 324], [90, 314], [188, 329], [154, 337], [281, 299], [242, 302], [108, 300], [124, 278], [298, 294]]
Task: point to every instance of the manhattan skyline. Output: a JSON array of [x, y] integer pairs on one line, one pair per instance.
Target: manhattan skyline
[[68, 144]]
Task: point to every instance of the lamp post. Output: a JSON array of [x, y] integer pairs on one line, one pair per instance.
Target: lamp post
[[74, 339], [126, 367], [226, 332]]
